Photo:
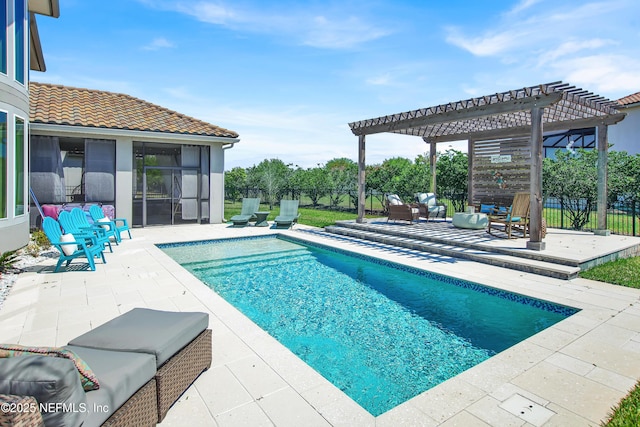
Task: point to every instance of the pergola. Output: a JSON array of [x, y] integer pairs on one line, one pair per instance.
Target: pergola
[[506, 116]]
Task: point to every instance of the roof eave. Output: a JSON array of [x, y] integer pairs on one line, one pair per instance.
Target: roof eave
[[35, 48], [45, 7], [36, 127]]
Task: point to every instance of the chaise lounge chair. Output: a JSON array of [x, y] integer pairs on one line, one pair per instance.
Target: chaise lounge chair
[[288, 213], [248, 212], [97, 214], [400, 211], [69, 246], [517, 216]]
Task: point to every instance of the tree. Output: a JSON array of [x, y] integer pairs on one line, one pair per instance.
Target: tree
[[343, 178], [235, 182], [452, 181], [572, 179], [270, 177], [315, 183]]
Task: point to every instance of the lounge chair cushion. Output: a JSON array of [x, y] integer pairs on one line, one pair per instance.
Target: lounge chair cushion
[[121, 375], [142, 330], [87, 376], [51, 380]]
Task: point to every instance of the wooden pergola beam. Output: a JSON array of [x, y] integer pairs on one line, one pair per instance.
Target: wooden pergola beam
[[454, 114], [520, 131]]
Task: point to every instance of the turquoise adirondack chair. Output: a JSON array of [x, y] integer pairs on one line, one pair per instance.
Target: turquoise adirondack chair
[[71, 247], [95, 237], [248, 211], [288, 213], [80, 218], [98, 215]]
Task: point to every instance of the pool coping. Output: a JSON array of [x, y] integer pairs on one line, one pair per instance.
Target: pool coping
[[568, 374]]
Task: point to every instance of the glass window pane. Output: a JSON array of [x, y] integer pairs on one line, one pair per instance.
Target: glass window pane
[[3, 37], [20, 45], [20, 189], [3, 165]]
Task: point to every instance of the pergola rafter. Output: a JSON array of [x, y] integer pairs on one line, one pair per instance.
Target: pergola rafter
[[515, 113]]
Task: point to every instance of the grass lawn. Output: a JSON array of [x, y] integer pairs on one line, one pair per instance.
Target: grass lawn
[[308, 216], [623, 272]]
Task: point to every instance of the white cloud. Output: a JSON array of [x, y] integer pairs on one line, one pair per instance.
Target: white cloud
[[523, 5], [613, 74], [331, 29], [159, 43]]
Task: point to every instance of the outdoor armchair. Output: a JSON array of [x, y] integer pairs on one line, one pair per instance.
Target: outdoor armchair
[[95, 237], [429, 207], [98, 216], [80, 218], [69, 246], [400, 211], [517, 216]]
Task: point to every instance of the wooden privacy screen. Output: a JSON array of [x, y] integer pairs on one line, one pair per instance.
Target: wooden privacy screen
[[500, 168]]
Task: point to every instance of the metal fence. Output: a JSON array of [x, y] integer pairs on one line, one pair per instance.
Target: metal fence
[[622, 217]]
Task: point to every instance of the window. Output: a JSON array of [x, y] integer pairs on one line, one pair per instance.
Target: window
[[20, 39], [3, 164], [3, 37], [20, 189]]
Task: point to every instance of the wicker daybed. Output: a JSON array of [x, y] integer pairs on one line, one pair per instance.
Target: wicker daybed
[[143, 360]]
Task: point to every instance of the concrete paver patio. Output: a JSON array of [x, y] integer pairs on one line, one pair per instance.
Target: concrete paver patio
[[569, 374]]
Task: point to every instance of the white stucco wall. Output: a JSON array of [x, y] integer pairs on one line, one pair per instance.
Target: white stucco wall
[[216, 184], [124, 178], [625, 135]]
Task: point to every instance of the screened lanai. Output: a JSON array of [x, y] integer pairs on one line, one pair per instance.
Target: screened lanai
[[503, 129]]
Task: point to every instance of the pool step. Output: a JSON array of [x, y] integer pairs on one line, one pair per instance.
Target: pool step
[[223, 269], [242, 260], [470, 252]]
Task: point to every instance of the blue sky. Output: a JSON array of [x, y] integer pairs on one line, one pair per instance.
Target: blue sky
[[289, 76]]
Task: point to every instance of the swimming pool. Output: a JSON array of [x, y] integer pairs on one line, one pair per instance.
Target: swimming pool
[[379, 331]]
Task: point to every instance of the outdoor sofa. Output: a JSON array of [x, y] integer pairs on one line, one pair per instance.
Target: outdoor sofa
[[142, 361]]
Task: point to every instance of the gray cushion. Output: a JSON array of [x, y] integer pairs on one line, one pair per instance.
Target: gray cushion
[[51, 380], [121, 374], [161, 333]]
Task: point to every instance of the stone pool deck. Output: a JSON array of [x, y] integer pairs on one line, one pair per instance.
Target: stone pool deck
[[568, 375]]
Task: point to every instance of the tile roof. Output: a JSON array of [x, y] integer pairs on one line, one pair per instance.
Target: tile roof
[[630, 99], [64, 105]]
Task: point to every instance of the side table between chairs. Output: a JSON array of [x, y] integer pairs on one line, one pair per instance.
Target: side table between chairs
[[261, 218]]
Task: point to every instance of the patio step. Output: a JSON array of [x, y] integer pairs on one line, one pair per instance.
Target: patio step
[[484, 255]]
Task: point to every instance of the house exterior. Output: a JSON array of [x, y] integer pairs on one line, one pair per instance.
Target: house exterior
[[625, 136], [20, 51], [155, 166]]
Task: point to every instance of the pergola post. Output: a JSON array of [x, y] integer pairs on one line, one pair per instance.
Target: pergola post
[[432, 164], [362, 199], [601, 132], [535, 210], [470, 147]]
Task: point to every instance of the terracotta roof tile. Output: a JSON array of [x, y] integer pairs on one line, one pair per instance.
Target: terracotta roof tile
[[64, 105], [630, 99]]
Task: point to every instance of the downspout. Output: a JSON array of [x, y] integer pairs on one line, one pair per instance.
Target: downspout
[[225, 147]]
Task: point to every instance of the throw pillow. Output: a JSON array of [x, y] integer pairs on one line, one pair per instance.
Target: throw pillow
[[104, 223], [68, 249], [87, 377]]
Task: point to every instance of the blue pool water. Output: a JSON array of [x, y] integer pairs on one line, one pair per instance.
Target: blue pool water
[[381, 332]]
